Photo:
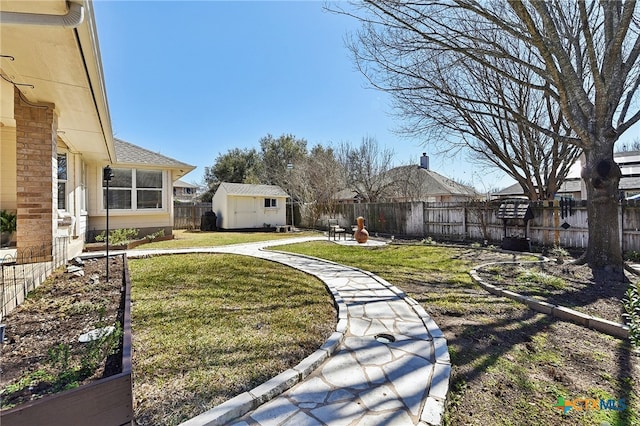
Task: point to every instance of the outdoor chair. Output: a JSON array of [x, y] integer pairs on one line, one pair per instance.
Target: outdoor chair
[[336, 230]]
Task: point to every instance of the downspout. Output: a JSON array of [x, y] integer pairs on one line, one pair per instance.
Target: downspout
[[73, 18]]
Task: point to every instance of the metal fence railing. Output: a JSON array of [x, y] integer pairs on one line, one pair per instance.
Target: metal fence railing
[[25, 269]]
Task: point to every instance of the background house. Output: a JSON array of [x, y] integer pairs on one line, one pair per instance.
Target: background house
[[184, 192], [419, 183], [413, 183], [573, 186], [570, 188], [245, 206]]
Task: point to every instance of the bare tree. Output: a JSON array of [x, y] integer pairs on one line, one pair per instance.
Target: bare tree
[[581, 57], [365, 166], [317, 180], [499, 121]]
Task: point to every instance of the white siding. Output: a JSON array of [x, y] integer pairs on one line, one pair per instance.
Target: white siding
[[242, 212]]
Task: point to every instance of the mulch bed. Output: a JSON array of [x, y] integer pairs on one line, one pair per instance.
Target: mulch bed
[[35, 360], [582, 292]]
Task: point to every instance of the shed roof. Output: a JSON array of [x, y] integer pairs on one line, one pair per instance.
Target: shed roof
[[252, 190]]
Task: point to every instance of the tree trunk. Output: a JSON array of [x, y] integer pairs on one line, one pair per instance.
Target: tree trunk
[[602, 175]]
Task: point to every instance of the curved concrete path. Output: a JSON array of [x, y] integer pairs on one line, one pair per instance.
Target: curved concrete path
[[387, 363]]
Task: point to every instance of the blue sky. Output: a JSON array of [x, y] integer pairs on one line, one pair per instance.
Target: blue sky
[[194, 79], [191, 80]]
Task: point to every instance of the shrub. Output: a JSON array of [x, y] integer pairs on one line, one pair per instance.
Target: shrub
[[8, 221], [543, 278], [632, 256], [429, 241], [118, 236], [559, 253], [155, 235], [631, 304]]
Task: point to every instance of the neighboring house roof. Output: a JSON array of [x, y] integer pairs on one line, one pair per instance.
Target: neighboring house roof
[[252, 190], [573, 185], [182, 184], [570, 185], [430, 183], [629, 183], [514, 189], [130, 154], [628, 161], [347, 194]]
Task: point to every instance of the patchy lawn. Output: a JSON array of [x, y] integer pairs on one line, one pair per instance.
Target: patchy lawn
[[510, 365]]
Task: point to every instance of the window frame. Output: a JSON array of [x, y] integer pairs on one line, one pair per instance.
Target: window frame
[[134, 191], [272, 203], [62, 202]]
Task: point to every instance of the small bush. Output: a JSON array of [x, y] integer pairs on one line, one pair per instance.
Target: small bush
[[559, 253], [155, 235], [631, 304], [541, 278], [429, 241], [118, 236], [632, 256]]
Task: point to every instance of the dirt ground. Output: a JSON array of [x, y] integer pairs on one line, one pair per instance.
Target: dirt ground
[[58, 312], [510, 365], [581, 291]]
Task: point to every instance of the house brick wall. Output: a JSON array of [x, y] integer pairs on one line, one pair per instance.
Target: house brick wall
[[36, 173]]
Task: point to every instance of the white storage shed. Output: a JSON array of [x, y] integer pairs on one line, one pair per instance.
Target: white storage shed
[[246, 206]]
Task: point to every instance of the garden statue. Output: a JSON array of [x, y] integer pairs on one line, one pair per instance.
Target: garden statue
[[361, 235]]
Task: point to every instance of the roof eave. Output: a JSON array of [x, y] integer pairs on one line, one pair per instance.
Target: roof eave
[[90, 50]]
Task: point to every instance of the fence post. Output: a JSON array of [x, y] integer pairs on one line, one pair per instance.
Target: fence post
[[621, 225], [464, 222], [556, 223]]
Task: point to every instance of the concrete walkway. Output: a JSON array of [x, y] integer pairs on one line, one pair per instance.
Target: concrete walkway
[[386, 364]]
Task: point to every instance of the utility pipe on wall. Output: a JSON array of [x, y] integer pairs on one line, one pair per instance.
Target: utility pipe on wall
[[73, 18]]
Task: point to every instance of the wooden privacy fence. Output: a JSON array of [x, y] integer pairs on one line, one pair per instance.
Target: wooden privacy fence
[[553, 222], [188, 216]]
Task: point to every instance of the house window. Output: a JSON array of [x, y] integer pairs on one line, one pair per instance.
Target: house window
[[148, 189], [133, 189], [62, 181], [83, 187], [270, 202]]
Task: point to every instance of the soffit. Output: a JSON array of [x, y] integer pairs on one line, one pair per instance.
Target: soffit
[[48, 7], [54, 67]]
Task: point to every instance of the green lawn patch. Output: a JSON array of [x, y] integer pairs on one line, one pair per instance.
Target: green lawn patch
[[184, 239], [208, 327]]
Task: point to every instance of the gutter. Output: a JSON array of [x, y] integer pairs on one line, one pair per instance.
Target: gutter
[[73, 18]]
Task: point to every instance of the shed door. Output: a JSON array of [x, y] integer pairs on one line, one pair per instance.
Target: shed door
[[245, 212]]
